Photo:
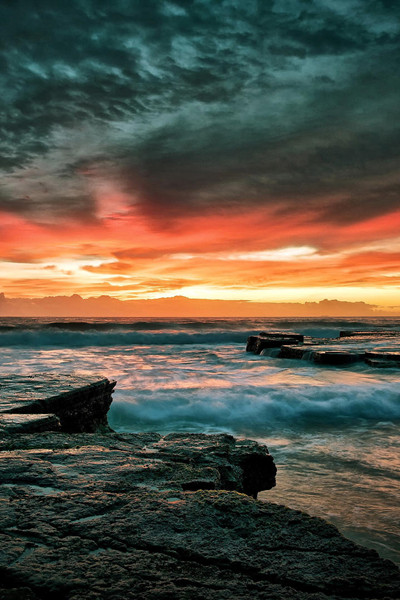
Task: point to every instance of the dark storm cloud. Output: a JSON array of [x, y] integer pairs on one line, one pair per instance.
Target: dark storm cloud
[[198, 106], [372, 203]]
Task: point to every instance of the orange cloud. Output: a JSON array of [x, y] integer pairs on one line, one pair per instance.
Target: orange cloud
[[247, 253]]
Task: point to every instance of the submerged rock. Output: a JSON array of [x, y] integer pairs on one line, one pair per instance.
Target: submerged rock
[[382, 364], [89, 516], [383, 355], [372, 333]]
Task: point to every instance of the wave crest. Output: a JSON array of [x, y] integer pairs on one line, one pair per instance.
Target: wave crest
[[256, 410], [78, 338]]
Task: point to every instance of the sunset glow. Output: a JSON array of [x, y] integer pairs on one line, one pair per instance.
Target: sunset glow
[[137, 260]]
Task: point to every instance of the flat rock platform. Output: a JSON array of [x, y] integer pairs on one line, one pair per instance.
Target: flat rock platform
[[146, 517]]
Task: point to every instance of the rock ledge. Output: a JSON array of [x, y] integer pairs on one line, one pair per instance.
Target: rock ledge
[[121, 517], [77, 403]]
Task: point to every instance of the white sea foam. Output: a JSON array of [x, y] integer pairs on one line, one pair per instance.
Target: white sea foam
[[258, 410]]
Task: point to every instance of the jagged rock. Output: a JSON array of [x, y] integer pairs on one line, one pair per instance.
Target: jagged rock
[[144, 516], [80, 402], [90, 517]]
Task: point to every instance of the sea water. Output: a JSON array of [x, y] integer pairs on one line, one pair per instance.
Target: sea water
[[332, 431]]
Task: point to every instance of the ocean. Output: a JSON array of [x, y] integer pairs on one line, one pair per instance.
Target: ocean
[[333, 431]]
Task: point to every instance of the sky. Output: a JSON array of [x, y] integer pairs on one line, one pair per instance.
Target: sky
[[224, 150]]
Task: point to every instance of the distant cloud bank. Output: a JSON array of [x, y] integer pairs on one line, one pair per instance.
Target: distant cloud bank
[[179, 306]]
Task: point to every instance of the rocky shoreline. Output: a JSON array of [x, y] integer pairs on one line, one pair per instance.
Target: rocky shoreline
[[101, 515]]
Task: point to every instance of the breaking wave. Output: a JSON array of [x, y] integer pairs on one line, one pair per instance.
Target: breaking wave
[[256, 410], [73, 333], [77, 338]]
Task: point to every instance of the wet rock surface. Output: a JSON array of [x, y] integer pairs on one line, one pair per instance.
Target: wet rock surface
[[258, 343], [350, 347], [183, 461], [90, 516], [79, 403], [335, 357], [371, 333]]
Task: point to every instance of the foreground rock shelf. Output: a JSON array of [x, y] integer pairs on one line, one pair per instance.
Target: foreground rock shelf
[[350, 347], [141, 516], [93, 516]]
